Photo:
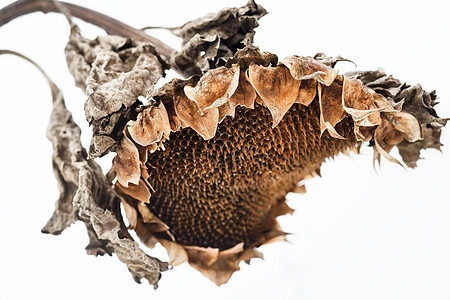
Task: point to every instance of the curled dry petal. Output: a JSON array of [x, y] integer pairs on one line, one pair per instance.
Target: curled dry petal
[[276, 87], [177, 254], [302, 67], [150, 125], [330, 61], [358, 101], [216, 265], [244, 95], [204, 123], [405, 123], [402, 121], [137, 191], [214, 88], [386, 137], [127, 164], [331, 110]]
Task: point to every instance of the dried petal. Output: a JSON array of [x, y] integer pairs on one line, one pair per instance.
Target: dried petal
[[276, 87], [386, 137], [244, 95], [127, 164], [302, 68], [150, 125], [331, 110], [204, 123], [405, 123], [214, 88], [137, 191], [359, 103], [177, 254], [308, 91]]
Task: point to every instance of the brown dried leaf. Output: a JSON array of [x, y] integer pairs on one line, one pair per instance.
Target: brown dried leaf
[[214, 88], [196, 55], [419, 103]]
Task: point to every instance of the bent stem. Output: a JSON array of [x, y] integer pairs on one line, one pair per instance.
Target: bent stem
[[110, 25]]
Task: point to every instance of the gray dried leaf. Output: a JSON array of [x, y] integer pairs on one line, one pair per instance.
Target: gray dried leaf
[[196, 54], [381, 83], [218, 35], [113, 72], [86, 195], [410, 152], [420, 104]]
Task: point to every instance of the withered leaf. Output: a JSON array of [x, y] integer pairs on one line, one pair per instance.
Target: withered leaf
[[86, 195], [196, 54], [113, 71], [410, 152], [218, 35], [419, 103]]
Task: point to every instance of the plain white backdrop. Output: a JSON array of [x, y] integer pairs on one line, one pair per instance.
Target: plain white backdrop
[[355, 234]]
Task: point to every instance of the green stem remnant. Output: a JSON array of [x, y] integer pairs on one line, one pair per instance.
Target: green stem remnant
[[110, 25]]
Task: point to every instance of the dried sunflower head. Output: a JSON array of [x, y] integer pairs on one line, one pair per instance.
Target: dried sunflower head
[[204, 169]]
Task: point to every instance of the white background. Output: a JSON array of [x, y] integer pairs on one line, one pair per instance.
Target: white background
[[355, 234]]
